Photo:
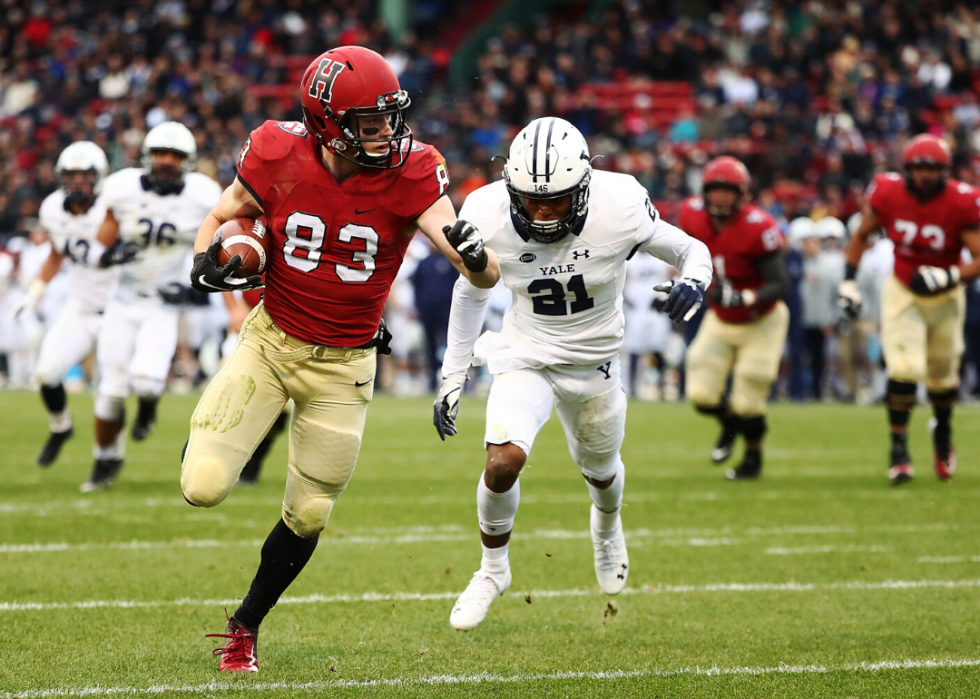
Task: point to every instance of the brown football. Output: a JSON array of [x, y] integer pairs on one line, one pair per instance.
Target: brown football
[[247, 238]]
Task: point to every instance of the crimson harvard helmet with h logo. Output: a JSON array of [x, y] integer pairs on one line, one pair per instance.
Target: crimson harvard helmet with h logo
[[343, 85], [725, 171]]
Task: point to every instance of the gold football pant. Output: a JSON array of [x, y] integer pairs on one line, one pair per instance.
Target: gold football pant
[[749, 351], [922, 336], [331, 388]]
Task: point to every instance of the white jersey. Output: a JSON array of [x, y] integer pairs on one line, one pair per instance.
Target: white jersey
[[568, 304], [164, 226], [72, 236]]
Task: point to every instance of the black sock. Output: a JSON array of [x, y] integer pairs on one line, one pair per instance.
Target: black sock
[[900, 441], [752, 460], [54, 398], [942, 408], [147, 409], [283, 557]]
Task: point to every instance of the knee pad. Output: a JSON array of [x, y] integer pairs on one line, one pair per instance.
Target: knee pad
[[144, 386], [109, 408], [47, 374], [753, 428], [599, 467], [309, 516], [204, 480]]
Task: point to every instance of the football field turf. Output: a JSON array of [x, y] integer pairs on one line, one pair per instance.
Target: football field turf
[[820, 580]]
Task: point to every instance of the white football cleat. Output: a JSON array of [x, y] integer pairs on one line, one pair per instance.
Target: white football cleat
[[612, 563], [472, 606]]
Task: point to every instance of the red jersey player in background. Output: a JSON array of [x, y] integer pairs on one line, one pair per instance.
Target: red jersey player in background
[[744, 329], [342, 193], [930, 218]]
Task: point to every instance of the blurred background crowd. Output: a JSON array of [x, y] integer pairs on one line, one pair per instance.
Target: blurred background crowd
[[814, 96]]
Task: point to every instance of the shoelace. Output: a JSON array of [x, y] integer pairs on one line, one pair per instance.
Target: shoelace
[[608, 548], [237, 650], [488, 588]]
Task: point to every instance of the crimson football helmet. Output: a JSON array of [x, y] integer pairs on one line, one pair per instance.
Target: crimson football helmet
[[725, 171], [345, 84], [926, 150]]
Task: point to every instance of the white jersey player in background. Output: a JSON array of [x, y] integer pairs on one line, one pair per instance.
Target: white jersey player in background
[[648, 328], [71, 215], [563, 234], [152, 217]]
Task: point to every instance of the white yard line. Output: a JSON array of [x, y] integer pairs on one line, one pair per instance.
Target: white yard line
[[791, 586], [806, 550], [448, 533], [490, 678], [949, 559]]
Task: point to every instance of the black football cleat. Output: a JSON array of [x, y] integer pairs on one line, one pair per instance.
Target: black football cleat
[[146, 418], [49, 452], [104, 474], [900, 469], [724, 446], [749, 469]]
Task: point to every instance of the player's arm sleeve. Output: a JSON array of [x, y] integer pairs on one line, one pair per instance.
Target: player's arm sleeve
[[772, 268], [465, 323], [428, 182], [675, 247]]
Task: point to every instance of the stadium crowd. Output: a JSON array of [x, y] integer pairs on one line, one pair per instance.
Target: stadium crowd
[[815, 97]]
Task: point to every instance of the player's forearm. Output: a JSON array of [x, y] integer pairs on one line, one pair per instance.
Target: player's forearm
[[50, 267], [675, 247], [205, 234], [861, 240], [773, 270], [465, 325], [488, 278]]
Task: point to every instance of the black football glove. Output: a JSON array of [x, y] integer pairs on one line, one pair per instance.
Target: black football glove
[[467, 241], [384, 338], [176, 294], [684, 298], [120, 254], [929, 281], [208, 277], [446, 408], [727, 296]]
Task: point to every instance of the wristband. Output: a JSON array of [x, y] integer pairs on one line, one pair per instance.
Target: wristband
[[850, 272]]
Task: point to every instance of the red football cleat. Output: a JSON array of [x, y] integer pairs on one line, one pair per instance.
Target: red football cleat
[[238, 655], [900, 474], [945, 468]]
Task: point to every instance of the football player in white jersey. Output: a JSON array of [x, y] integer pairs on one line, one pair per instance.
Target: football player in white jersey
[[563, 234], [152, 217], [71, 215]]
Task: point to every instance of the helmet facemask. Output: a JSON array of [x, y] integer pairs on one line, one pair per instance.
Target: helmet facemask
[[165, 178], [722, 212], [76, 195], [547, 232], [933, 188], [351, 144]]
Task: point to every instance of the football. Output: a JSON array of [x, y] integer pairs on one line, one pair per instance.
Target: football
[[247, 238]]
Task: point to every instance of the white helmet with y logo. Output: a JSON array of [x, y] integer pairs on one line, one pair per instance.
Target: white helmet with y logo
[[549, 159]]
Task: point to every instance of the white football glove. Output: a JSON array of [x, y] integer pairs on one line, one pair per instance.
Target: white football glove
[[31, 300], [446, 407], [932, 280], [849, 298]]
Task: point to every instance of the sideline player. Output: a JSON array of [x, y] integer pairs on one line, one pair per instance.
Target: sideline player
[[71, 216], [338, 192], [930, 218], [563, 234], [744, 329], [152, 214]]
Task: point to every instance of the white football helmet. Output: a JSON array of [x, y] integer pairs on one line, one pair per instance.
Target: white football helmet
[[549, 159], [82, 156], [831, 227], [799, 229], [174, 137]]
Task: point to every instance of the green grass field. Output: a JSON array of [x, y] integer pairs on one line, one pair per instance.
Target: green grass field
[[819, 580]]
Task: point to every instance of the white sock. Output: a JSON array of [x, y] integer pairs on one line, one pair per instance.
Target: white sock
[[496, 511], [60, 422], [495, 561], [116, 450], [605, 514]]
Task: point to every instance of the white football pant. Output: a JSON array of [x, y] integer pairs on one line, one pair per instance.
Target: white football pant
[[70, 339], [136, 346]]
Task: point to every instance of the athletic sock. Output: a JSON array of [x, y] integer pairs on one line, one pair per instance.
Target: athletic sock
[[147, 411], [942, 408], [496, 561], [900, 441], [284, 555], [56, 402], [497, 511], [116, 450], [608, 501]]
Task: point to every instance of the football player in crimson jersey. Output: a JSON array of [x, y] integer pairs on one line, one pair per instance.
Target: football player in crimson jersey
[[342, 192], [930, 218], [744, 329]]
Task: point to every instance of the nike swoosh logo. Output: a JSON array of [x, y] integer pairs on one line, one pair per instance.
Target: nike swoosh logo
[[363, 383], [358, 211]]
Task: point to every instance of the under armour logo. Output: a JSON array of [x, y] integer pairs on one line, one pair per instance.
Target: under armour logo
[[622, 576], [605, 369], [576, 254]]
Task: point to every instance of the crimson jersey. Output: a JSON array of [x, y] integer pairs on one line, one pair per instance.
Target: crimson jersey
[[335, 248], [752, 234], [924, 233]]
